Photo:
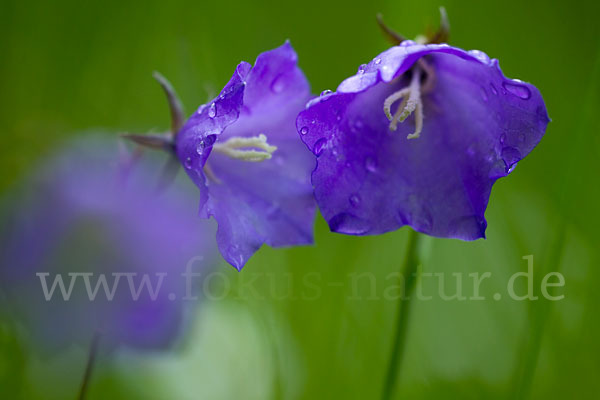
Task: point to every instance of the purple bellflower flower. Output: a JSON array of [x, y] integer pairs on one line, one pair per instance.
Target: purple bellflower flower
[[243, 153], [91, 250], [418, 137]]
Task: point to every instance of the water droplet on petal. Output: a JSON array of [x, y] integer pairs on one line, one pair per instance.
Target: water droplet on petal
[[354, 200], [480, 55], [278, 84], [212, 110], [304, 130], [326, 92], [510, 156], [502, 138], [469, 227], [319, 146], [494, 90], [377, 61], [371, 164], [210, 140], [312, 102], [201, 108], [200, 147], [520, 91], [484, 95], [188, 163], [407, 43], [349, 224], [362, 68]]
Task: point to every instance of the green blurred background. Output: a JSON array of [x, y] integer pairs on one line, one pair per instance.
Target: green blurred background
[[69, 66]]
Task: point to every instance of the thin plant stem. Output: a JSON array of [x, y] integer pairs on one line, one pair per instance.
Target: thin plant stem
[[409, 270], [89, 367]]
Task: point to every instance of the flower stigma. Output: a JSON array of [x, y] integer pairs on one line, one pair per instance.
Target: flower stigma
[[253, 148], [411, 102]]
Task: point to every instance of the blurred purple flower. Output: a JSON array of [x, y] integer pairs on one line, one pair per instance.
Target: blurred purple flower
[[418, 137], [243, 153], [90, 217]]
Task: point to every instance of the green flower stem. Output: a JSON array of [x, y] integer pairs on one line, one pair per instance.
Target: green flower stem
[[89, 367], [409, 270]]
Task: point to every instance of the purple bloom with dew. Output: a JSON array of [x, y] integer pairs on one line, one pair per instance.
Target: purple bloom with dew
[[92, 250], [242, 151], [418, 137]]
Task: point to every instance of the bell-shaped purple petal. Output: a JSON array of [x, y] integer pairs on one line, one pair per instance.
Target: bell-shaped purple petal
[[91, 248], [477, 125], [254, 202]]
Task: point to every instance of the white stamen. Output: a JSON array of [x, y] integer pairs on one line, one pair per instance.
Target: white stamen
[[232, 146], [411, 102], [387, 104], [418, 122]]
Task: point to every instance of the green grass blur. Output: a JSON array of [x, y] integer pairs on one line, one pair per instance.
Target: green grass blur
[[70, 66]]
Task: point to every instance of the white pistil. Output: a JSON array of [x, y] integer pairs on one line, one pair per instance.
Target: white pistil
[[253, 149], [411, 102]]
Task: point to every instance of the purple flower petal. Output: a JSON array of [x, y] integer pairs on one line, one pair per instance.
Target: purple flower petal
[[477, 125], [85, 217], [254, 202]]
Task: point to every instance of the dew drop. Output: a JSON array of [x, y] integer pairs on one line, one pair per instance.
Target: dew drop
[[408, 42], [502, 138], [349, 224], [210, 140], [326, 92], [520, 91], [370, 164], [278, 84], [484, 95], [469, 227], [188, 163], [319, 146], [304, 130], [510, 156], [354, 200], [362, 68], [480, 55], [312, 102], [377, 61], [494, 90], [212, 110], [200, 147]]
